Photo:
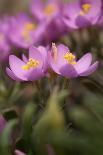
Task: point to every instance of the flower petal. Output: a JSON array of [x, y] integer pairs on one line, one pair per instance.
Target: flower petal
[[70, 23], [17, 152], [52, 64], [43, 51], [60, 61], [62, 50], [83, 64], [68, 71], [16, 66], [90, 70], [35, 54], [24, 58], [12, 75], [35, 74], [82, 21]]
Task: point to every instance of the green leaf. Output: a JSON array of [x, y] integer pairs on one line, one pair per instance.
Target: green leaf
[[27, 121], [5, 138]]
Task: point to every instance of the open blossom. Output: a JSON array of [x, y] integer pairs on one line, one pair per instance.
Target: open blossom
[[64, 63], [28, 69], [82, 13], [45, 10], [4, 41], [27, 32], [50, 13]]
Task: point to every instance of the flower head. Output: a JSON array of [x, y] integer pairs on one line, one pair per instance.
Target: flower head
[[50, 13], [28, 69], [27, 32], [82, 13], [45, 10], [64, 63]]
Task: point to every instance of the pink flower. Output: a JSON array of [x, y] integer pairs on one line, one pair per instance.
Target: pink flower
[[28, 69], [64, 63], [81, 13], [25, 32]]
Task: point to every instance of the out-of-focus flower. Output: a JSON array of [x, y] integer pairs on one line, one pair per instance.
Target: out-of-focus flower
[[50, 13], [82, 13], [45, 10], [100, 21], [64, 63], [4, 41], [25, 32], [28, 69], [17, 152]]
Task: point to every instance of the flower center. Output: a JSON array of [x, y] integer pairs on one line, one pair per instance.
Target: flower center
[[50, 9], [54, 52], [28, 27], [85, 9], [32, 63], [70, 58]]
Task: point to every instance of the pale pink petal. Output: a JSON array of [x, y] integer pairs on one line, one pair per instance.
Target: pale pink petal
[[53, 65], [17, 152], [62, 50], [90, 70], [16, 66], [68, 71], [35, 54], [24, 58], [43, 51], [35, 74], [84, 63], [12, 75], [60, 60]]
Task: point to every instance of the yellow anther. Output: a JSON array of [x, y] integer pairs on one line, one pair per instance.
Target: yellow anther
[[70, 58], [25, 67], [28, 27], [50, 9], [85, 8], [32, 63], [54, 51]]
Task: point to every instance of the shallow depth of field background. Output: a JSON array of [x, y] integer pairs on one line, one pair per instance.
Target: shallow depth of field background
[[82, 106]]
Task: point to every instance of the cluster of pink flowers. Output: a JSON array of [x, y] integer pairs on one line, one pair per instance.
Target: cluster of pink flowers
[[58, 58], [48, 21]]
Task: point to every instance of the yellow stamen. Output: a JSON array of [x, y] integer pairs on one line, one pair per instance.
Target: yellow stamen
[[27, 29], [70, 58], [50, 9], [85, 8], [32, 63], [54, 51]]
